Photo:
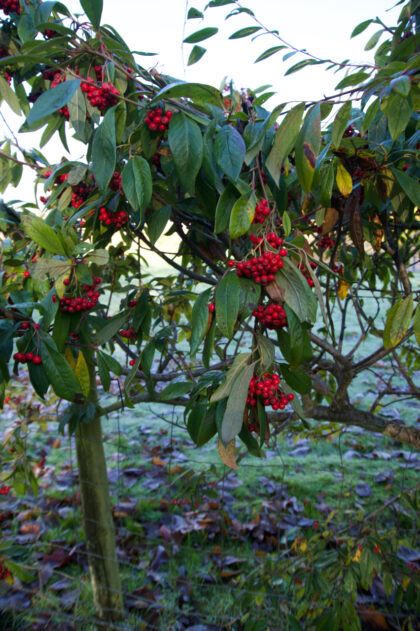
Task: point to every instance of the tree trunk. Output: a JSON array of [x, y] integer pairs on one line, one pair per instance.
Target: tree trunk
[[97, 516]]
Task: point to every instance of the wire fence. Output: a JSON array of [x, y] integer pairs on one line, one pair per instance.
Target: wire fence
[[202, 547]]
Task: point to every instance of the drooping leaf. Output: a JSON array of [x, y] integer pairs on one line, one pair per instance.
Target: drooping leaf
[[229, 150], [156, 223], [224, 208], [186, 145], [284, 141], [43, 235], [111, 328], [201, 424], [9, 96], [344, 180], [410, 186], [340, 123], [417, 324], [224, 389], [199, 320], [136, 181], [93, 9], [51, 100], [297, 293], [227, 303], [398, 110], [307, 147], [104, 150], [227, 454], [196, 54], [62, 378], [82, 374], [234, 414], [398, 321]]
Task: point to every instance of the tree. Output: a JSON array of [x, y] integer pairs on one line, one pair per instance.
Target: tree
[[281, 215]]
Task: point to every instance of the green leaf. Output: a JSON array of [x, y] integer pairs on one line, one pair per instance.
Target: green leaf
[[374, 39], [38, 378], [51, 100], [104, 150], [131, 376], [296, 379], [9, 96], [174, 390], [62, 378], [197, 92], [111, 328], [401, 85], [267, 53], [156, 222], [235, 408], [201, 424], [201, 35], [98, 257], [249, 296], [241, 217], [417, 323], [308, 145], [111, 364], [287, 224], [398, 110], [369, 116], [410, 186], [398, 321], [93, 9], [43, 235], [284, 141], [244, 32], [196, 54], [229, 150], [340, 123], [186, 145], [103, 372], [303, 64], [199, 320], [267, 352], [224, 208], [224, 389], [77, 110], [136, 182], [297, 293], [194, 13], [360, 28], [227, 303], [352, 79]]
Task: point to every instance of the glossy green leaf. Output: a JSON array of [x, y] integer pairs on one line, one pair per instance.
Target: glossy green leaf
[[352, 79], [93, 9], [175, 390], [287, 224], [398, 110], [136, 182], [196, 54], [51, 100], [284, 141], [241, 217], [224, 208], [297, 293], [229, 150], [296, 379], [303, 64], [201, 35], [369, 116], [199, 320], [398, 321], [198, 92], [308, 145], [360, 28], [409, 185], [244, 32], [62, 378], [157, 221], [340, 123], [43, 235], [104, 150], [201, 424], [267, 53], [227, 303], [186, 145], [374, 40], [401, 85], [233, 418], [111, 328]]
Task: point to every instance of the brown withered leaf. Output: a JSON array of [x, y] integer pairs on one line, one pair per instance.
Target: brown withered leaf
[[352, 207], [274, 291], [227, 454], [331, 218], [309, 154]]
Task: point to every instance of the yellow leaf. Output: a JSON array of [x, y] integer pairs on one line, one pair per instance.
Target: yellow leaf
[[259, 599], [303, 546], [82, 373], [330, 219], [227, 454], [70, 359], [356, 558], [344, 181], [406, 582], [343, 289]]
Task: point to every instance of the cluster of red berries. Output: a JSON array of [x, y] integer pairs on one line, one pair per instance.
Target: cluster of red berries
[[158, 120], [262, 268], [4, 572], [10, 6], [118, 219], [326, 242], [82, 303], [102, 97], [115, 183], [132, 303], [81, 192], [129, 334], [272, 239], [267, 386], [262, 210], [23, 358], [5, 490], [50, 33], [351, 132], [307, 274], [272, 316], [6, 73]]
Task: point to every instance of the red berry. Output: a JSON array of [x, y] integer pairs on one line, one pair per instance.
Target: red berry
[[37, 359]]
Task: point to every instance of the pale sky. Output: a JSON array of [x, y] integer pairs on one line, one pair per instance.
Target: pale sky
[[322, 27]]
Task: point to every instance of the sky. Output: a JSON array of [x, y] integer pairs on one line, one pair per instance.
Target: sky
[[322, 27]]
